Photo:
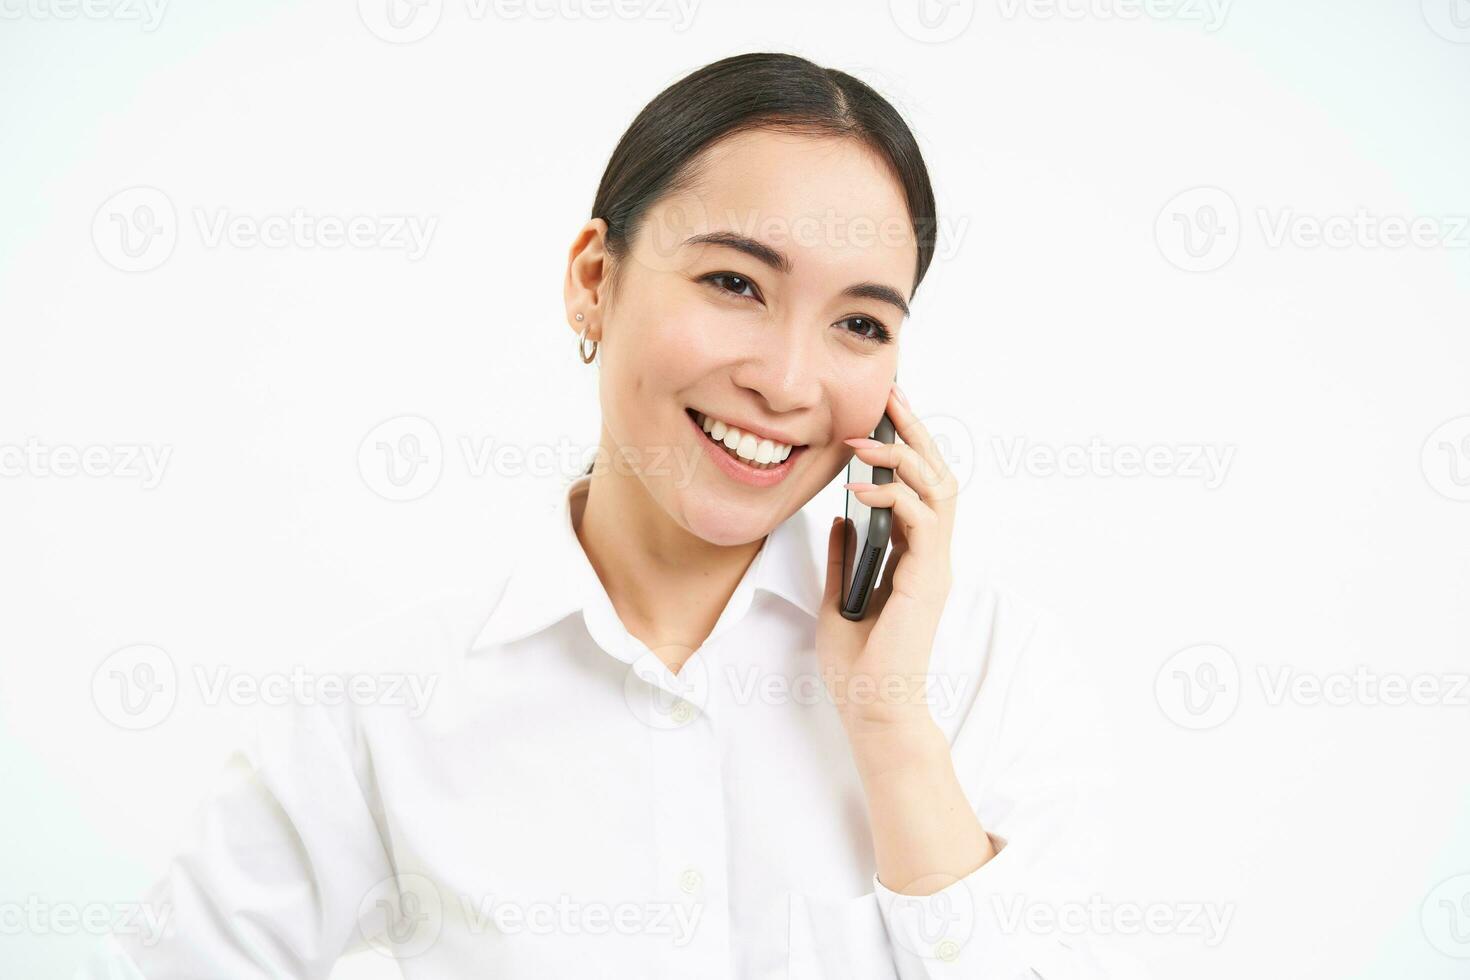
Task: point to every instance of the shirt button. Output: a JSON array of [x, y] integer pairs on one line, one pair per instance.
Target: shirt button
[[683, 712], [947, 950], [690, 880]]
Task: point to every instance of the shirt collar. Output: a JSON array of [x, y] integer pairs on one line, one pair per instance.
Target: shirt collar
[[553, 578]]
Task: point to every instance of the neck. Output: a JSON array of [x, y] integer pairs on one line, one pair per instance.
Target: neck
[[667, 584]]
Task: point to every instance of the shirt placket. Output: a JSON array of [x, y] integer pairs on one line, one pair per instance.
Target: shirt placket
[[690, 834]]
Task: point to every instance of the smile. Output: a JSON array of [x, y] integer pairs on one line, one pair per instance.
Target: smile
[[744, 455]]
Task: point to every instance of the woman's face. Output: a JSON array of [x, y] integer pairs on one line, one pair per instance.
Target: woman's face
[[781, 345]]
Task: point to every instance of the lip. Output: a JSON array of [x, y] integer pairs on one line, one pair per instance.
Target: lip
[[759, 432], [738, 471]]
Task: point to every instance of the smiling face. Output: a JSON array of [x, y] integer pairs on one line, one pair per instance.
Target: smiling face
[[769, 298]]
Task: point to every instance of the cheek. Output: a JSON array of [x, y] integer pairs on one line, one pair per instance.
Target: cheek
[[684, 340], [859, 399]]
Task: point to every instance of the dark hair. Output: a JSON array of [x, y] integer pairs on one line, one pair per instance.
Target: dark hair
[[658, 154]]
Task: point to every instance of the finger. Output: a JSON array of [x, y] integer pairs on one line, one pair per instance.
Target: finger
[[913, 432], [837, 550], [920, 522], [912, 468], [834, 561]]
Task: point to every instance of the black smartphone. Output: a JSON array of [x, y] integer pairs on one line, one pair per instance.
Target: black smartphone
[[866, 532]]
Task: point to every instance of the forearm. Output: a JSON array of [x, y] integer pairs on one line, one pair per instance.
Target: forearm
[[925, 835]]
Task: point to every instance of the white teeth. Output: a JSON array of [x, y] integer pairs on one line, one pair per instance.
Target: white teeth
[[754, 450]]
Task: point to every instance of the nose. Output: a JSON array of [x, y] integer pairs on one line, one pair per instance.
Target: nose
[[786, 371]]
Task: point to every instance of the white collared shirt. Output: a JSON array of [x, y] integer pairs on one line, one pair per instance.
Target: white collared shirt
[[565, 806]]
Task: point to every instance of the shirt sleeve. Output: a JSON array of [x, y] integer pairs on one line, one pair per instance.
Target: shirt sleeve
[[1029, 754], [286, 850]]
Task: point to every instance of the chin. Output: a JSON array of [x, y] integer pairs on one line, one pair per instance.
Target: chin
[[721, 520]]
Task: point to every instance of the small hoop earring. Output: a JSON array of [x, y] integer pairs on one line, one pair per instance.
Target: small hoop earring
[[582, 345]]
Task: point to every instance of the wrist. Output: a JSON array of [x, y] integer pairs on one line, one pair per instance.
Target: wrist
[[899, 744]]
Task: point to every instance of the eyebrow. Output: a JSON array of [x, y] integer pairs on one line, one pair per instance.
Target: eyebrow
[[778, 260]]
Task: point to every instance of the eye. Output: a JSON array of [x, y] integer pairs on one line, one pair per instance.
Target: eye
[[868, 329], [729, 282]]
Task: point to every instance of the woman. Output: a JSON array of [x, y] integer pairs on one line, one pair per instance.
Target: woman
[[657, 748]]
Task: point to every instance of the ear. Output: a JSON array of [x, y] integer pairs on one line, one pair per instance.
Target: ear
[[585, 287]]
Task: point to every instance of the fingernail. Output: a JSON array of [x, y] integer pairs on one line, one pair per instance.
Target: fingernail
[[858, 486], [901, 396], [861, 441]]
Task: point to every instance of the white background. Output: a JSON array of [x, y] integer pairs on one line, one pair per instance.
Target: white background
[[1063, 308]]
